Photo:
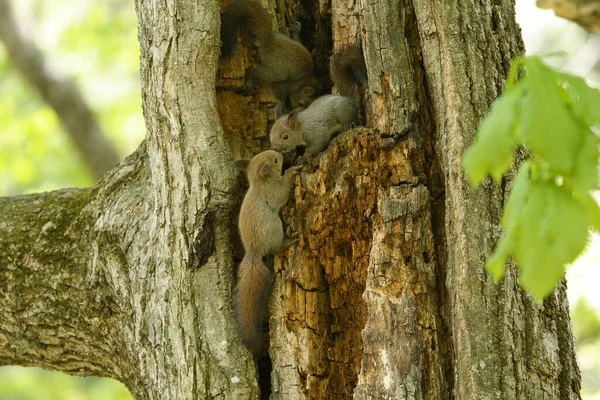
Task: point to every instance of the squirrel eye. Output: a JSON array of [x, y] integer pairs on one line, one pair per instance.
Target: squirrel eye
[[285, 137], [301, 104], [275, 161]]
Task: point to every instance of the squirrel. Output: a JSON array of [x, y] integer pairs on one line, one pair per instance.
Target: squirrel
[[284, 63], [314, 127], [261, 231]]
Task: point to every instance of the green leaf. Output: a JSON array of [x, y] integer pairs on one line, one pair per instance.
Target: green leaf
[[517, 200], [514, 72], [585, 100], [554, 231], [493, 151], [584, 176], [511, 219], [546, 127], [592, 209], [549, 210], [496, 264]]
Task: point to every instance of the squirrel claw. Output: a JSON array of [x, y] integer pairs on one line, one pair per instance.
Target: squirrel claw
[[295, 236], [302, 161], [292, 241], [247, 89], [294, 170]]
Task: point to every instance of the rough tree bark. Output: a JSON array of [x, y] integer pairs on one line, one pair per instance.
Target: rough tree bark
[[61, 93], [384, 297]]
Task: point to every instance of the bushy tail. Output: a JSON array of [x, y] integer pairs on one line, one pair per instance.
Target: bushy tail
[[348, 70], [250, 299], [248, 14]]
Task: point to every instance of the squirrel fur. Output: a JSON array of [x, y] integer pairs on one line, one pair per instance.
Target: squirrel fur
[[261, 231], [314, 127], [284, 63]]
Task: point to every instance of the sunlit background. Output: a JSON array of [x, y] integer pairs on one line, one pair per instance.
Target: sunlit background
[[96, 43]]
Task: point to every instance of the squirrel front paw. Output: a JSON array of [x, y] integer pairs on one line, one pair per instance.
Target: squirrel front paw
[[287, 242], [247, 89], [294, 170], [291, 241], [302, 161], [349, 126]]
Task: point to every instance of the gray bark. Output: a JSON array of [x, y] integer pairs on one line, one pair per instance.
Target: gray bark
[[60, 93], [384, 296]]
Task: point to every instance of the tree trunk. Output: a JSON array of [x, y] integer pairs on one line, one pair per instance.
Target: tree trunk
[[383, 297]]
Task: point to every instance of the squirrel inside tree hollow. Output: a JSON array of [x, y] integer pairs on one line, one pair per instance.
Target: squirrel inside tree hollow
[[262, 234], [284, 63], [314, 127]]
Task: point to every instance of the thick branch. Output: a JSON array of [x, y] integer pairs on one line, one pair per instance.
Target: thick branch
[[584, 12], [53, 314], [61, 94]]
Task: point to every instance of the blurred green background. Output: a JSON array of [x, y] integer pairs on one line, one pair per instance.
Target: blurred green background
[[96, 43]]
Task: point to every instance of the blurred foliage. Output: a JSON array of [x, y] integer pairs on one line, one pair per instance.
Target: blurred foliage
[[94, 42], [549, 209], [16, 383], [586, 324]]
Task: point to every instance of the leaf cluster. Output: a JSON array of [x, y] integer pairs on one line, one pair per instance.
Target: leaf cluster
[[549, 211]]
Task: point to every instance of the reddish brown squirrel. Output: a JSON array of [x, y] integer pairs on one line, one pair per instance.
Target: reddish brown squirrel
[[261, 231], [284, 63], [314, 127]]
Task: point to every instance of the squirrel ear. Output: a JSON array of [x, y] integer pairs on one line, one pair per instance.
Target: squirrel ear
[[308, 90], [242, 165], [292, 120], [265, 169]]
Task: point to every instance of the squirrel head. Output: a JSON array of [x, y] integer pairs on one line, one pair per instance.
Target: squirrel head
[[305, 92], [286, 134], [263, 166]]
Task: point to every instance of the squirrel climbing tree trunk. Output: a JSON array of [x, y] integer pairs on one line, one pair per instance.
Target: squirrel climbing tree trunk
[[384, 296]]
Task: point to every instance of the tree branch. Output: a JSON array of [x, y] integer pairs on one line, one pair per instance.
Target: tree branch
[[54, 313], [61, 94], [584, 12]]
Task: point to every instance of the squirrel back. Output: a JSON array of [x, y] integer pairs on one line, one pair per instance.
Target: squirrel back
[[348, 70], [251, 16], [280, 61]]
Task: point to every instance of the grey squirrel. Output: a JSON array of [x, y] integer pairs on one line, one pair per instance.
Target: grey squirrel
[[284, 63], [314, 127], [261, 231]]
